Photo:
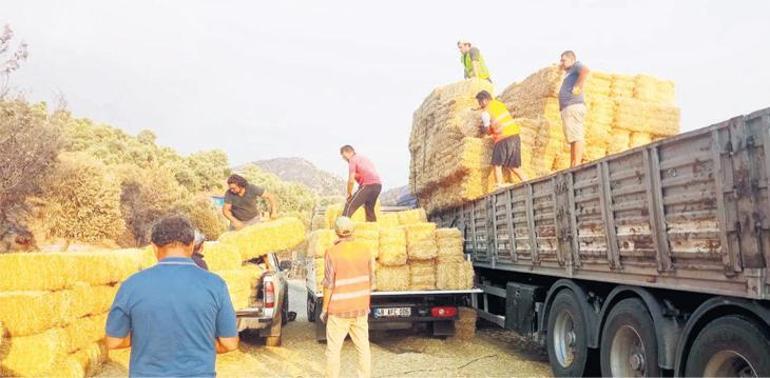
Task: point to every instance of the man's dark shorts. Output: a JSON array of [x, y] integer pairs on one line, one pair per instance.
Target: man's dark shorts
[[507, 152]]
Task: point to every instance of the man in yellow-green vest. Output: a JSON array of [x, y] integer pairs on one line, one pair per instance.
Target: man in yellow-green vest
[[472, 61]]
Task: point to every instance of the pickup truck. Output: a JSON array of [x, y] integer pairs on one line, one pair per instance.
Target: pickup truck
[[399, 310], [269, 305]]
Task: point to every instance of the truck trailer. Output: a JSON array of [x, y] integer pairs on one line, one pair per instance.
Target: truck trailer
[[649, 262]]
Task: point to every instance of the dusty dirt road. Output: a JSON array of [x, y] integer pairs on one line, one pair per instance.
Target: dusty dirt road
[[493, 353]]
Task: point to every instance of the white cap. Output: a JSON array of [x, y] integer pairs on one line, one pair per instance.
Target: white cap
[[463, 41], [343, 226]]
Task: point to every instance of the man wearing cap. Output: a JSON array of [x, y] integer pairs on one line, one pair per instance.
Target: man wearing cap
[[473, 62], [498, 122], [348, 281]]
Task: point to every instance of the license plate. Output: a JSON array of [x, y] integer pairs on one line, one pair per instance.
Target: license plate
[[393, 312]]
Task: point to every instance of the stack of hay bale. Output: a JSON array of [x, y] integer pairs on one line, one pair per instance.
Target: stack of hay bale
[[624, 111], [392, 269], [318, 242], [449, 158], [422, 250], [453, 272], [228, 257], [450, 161], [53, 309], [335, 211]]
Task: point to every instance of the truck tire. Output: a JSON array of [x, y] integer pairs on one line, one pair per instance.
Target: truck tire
[[629, 347], [731, 346], [566, 339], [310, 308], [274, 340], [285, 308]]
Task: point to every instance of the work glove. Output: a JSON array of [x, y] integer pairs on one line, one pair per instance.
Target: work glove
[[324, 316]]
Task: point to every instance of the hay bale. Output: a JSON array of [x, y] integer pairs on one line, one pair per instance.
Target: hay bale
[[319, 241], [221, 256], [241, 283], [388, 220], [259, 239], [412, 216], [392, 278], [449, 233], [392, 250], [35, 271], [449, 276], [422, 275], [91, 357], [91, 300], [32, 355], [465, 325], [84, 331], [418, 232], [468, 274], [422, 250], [26, 313]]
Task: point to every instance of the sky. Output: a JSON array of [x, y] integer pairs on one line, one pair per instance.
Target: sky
[[265, 79]]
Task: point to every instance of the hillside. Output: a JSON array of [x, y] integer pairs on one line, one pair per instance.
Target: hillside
[[301, 171]]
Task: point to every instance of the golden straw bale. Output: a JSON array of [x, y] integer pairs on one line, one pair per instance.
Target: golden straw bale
[[84, 331], [388, 220], [272, 236], [392, 278], [32, 355], [417, 232], [91, 357], [35, 271], [449, 233], [91, 300], [449, 276], [221, 256], [319, 241], [422, 275], [412, 216], [25, 313], [422, 250], [465, 325]]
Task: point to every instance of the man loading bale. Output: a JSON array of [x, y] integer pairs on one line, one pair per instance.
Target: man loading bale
[[241, 202], [498, 122], [361, 171], [572, 105]]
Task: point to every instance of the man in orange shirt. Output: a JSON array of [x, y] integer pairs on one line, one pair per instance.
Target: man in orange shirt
[[348, 281]]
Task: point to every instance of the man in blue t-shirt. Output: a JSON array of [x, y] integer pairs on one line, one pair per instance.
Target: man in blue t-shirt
[[175, 316], [572, 105]]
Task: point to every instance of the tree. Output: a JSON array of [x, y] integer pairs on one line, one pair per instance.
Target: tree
[[29, 145], [9, 64]]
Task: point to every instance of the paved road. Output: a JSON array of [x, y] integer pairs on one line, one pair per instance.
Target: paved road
[[493, 353]]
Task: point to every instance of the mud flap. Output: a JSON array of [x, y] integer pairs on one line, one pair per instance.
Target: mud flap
[[443, 328]]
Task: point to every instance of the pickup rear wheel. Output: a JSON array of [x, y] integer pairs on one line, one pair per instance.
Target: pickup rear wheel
[[731, 346], [310, 308], [629, 347], [567, 336]]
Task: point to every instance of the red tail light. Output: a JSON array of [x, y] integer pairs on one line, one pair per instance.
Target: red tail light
[[269, 294], [443, 312]]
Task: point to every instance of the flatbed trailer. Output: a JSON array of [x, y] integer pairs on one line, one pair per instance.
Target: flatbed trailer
[[645, 263]]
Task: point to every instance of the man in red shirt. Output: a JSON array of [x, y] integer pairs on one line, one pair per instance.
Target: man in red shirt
[[361, 171]]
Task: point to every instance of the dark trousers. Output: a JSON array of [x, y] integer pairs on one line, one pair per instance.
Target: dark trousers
[[365, 196]]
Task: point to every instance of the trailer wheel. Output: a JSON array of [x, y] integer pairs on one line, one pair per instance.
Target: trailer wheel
[[567, 337], [629, 347], [731, 346], [310, 308]]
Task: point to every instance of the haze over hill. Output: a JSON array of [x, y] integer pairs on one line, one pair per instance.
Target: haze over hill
[[299, 170]]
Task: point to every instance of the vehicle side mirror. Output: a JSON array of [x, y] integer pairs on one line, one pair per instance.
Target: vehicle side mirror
[[284, 265]]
